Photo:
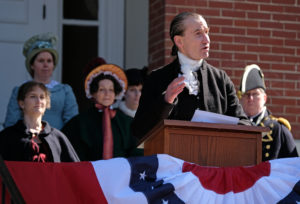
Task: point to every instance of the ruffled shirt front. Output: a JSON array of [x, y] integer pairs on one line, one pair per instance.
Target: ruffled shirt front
[[189, 69]]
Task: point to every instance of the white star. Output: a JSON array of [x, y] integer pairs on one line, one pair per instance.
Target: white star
[[165, 201], [143, 175], [152, 187]]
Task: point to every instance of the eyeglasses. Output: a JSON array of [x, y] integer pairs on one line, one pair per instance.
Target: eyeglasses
[[254, 95]]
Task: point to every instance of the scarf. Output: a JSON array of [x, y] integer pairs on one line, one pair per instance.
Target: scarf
[[108, 143]]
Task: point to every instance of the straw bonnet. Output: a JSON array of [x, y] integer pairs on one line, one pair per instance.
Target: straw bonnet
[[253, 78], [37, 44], [107, 69]]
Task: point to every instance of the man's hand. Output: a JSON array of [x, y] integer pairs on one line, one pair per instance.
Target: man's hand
[[174, 88]]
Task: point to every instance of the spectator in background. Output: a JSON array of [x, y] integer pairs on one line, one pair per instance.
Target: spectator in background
[[32, 139], [188, 83], [84, 102], [279, 142], [102, 132], [41, 59], [132, 96]]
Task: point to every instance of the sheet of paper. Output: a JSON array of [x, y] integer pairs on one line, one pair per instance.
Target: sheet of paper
[[209, 117]]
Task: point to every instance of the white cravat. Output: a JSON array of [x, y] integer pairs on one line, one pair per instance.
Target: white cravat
[[189, 68]]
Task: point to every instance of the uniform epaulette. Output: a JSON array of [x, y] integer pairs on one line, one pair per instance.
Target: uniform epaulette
[[282, 121], [239, 94]]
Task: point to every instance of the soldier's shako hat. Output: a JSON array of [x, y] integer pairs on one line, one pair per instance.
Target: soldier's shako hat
[[252, 78]]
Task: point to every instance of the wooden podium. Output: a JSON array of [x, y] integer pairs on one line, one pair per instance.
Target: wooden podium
[[206, 144]]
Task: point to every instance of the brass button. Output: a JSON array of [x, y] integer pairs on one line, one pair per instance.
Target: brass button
[[267, 154], [268, 146]]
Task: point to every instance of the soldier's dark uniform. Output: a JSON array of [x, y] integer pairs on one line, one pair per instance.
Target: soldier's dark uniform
[[278, 142]]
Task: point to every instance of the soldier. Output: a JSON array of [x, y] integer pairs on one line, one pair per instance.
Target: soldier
[[278, 142]]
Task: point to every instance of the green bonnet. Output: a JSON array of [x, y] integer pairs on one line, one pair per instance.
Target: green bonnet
[[37, 44]]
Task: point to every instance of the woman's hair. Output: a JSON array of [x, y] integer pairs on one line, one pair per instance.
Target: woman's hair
[[136, 76], [29, 86], [95, 83], [177, 27], [34, 57]]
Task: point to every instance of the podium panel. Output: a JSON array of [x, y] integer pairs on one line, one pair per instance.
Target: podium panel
[[206, 144]]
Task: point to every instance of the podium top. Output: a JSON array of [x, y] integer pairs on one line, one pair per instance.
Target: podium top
[[213, 125], [201, 125]]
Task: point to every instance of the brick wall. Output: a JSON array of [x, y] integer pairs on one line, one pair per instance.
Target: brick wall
[[242, 32], [157, 36]]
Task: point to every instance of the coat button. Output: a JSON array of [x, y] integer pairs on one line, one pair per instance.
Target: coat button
[[267, 154], [268, 146]]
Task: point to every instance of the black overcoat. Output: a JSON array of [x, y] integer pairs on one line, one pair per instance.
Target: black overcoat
[[15, 144], [216, 94]]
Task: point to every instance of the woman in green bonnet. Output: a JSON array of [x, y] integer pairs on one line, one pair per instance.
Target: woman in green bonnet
[[41, 59]]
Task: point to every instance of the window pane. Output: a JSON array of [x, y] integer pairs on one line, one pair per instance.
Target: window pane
[[81, 9], [80, 45]]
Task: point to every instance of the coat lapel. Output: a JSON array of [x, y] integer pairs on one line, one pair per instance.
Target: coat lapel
[[202, 77]]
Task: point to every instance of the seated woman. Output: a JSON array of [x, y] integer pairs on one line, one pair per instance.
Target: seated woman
[[32, 139], [101, 132], [41, 58]]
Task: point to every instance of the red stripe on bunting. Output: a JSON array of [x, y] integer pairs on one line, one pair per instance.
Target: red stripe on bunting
[[56, 182], [226, 179]]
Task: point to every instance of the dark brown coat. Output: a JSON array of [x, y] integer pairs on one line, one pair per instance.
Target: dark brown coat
[[217, 94]]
